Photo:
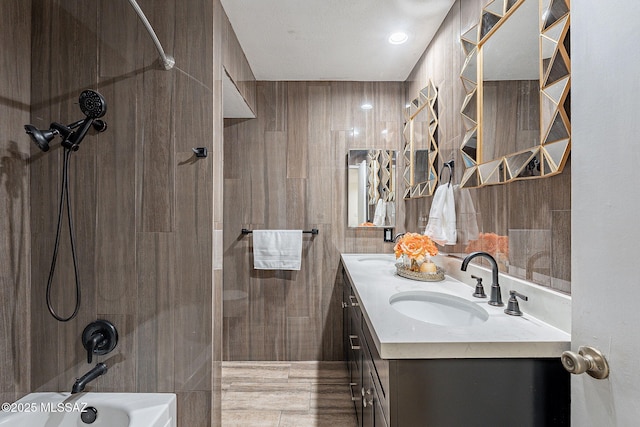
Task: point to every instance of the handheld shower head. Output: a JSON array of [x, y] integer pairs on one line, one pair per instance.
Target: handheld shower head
[[92, 104]]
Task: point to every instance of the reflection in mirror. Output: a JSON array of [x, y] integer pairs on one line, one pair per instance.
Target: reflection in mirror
[[371, 188], [518, 101], [421, 144]]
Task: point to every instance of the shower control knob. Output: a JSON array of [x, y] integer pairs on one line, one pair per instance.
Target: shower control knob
[[588, 360], [99, 337]]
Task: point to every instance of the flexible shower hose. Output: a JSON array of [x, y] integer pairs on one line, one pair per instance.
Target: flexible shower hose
[[64, 194]]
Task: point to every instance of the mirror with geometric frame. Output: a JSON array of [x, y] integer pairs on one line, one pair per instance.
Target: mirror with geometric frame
[[420, 152], [531, 153]]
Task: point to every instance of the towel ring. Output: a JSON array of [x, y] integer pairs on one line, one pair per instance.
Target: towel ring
[[450, 164]]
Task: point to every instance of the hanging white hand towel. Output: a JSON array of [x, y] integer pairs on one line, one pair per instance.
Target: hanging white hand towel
[[379, 214], [277, 249], [466, 222], [441, 227]]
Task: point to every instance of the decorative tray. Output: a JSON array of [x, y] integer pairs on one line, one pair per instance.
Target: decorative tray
[[417, 275]]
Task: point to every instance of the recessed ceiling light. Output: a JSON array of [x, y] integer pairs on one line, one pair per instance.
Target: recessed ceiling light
[[398, 38], [366, 106]]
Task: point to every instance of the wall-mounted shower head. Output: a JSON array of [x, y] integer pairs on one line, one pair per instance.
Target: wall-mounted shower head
[[92, 104], [42, 138]]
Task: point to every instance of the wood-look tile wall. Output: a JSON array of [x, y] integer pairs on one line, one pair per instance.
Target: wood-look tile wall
[[15, 90], [236, 65], [148, 214], [286, 169], [536, 215]]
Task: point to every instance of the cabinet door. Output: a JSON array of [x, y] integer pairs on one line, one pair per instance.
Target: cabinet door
[[368, 400], [378, 410], [355, 363], [372, 413]]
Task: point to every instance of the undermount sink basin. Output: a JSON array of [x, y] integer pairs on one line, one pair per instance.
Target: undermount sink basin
[[438, 308], [378, 258]]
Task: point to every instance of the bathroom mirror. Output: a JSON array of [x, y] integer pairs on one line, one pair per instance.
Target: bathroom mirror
[[517, 78], [420, 150], [371, 182]]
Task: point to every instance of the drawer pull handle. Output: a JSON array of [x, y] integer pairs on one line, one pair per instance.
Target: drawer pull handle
[[353, 397], [354, 346], [354, 301]]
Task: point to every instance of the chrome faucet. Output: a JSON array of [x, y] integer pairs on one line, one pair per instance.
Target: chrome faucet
[[397, 236], [496, 295], [95, 372]]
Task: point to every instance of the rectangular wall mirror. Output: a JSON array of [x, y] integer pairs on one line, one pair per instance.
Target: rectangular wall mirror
[[371, 187]]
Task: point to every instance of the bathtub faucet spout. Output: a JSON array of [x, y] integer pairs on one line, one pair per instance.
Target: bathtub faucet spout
[[95, 372]]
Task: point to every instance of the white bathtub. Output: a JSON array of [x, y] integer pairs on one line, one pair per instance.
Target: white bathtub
[[113, 410]]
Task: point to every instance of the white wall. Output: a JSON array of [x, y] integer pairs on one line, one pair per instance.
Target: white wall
[[606, 207]]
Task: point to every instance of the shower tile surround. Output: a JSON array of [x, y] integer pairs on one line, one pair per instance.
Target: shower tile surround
[[148, 218], [15, 229]]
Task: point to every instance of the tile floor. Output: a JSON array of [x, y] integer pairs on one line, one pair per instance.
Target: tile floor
[[286, 394]]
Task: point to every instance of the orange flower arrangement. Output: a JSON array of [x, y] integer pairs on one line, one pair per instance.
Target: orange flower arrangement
[[417, 247]]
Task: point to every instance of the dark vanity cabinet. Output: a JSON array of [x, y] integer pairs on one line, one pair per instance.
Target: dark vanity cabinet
[[523, 392], [367, 392]]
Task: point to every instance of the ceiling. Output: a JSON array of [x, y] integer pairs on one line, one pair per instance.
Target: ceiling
[[334, 39]]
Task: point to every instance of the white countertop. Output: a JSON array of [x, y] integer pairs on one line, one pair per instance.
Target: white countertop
[[398, 336]]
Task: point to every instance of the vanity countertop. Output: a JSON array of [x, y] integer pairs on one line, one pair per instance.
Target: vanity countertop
[[397, 336]]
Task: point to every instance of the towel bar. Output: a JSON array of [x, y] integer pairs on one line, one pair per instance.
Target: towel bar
[[312, 231]]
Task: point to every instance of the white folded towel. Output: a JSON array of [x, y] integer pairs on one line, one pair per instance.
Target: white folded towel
[[277, 249], [441, 227]]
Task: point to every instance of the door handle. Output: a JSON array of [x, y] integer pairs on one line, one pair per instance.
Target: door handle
[[588, 360]]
